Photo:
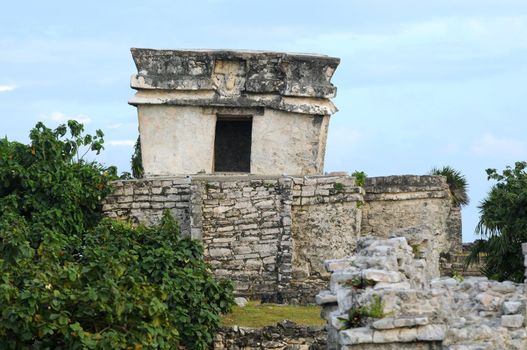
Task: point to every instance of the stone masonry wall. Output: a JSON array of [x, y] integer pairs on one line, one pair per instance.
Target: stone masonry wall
[[246, 230], [269, 234], [326, 221], [143, 201], [418, 312], [416, 207], [284, 335]]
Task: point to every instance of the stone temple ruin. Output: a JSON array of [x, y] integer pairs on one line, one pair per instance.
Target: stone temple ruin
[[233, 144], [232, 111]]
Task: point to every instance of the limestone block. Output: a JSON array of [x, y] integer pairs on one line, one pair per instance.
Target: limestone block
[[356, 336], [511, 307], [487, 301], [410, 321], [383, 323], [338, 264], [220, 252], [344, 298], [386, 336], [512, 321], [431, 332], [503, 287], [399, 285], [381, 276], [325, 297], [407, 335]]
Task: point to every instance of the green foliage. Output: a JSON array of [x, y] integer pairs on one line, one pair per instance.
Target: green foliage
[[457, 184], [416, 250], [358, 314], [503, 222], [257, 315], [137, 160], [360, 177], [71, 279], [359, 283], [338, 186], [50, 185], [457, 276]]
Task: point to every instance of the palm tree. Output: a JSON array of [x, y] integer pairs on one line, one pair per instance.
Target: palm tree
[[457, 184]]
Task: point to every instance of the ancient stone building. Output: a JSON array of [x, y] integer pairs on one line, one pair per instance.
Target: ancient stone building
[[233, 145], [219, 111]]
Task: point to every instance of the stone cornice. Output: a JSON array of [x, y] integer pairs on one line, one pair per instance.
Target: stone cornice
[[299, 83]]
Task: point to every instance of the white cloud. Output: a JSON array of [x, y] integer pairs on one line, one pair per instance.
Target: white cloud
[[7, 88], [61, 117], [490, 145], [121, 142]]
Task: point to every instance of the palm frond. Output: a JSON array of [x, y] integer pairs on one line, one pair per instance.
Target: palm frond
[[457, 184]]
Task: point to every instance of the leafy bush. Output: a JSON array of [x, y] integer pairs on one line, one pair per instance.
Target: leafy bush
[[338, 186], [71, 279], [360, 177], [503, 222]]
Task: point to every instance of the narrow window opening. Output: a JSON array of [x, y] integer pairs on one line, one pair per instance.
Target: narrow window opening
[[232, 144]]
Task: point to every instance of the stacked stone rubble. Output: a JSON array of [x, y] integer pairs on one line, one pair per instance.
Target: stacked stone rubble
[[418, 208], [284, 335], [419, 313]]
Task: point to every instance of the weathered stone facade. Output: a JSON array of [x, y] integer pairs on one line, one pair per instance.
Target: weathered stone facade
[[191, 102], [260, 231], [419, 312], [271, 234], [417, 208]]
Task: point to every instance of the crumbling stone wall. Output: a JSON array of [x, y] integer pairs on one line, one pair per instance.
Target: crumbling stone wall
[[416, 207], [269, 234], [326, 220], [439, 313], [284, 335]]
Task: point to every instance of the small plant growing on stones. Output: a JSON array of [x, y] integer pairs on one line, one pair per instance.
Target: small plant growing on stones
[[358, 314], [416, 249], [338, 186], [360, 177], [359, 283], [457, 276]]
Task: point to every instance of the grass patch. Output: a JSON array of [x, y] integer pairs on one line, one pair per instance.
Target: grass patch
[[258, 315]]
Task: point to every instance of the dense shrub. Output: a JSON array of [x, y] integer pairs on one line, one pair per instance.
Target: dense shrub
[[503, 225], [71, 279]]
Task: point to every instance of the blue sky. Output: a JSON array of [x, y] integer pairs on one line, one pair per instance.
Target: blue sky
[[420, 84]]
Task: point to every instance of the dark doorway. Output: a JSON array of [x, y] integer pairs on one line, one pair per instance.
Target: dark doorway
[[232, 145]]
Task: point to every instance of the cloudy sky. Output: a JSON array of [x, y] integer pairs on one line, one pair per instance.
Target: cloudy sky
[[420, 84]]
